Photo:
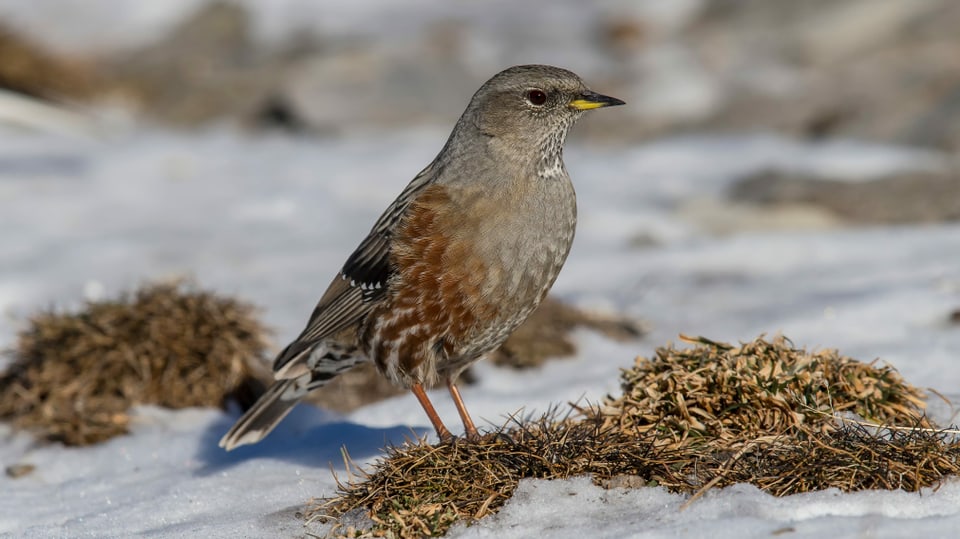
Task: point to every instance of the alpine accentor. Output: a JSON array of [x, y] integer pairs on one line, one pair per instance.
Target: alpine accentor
[[461, 258]]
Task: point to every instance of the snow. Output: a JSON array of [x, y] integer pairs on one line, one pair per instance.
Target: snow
[[270, 219], [576, 508]]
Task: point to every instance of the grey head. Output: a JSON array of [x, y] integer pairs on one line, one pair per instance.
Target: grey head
[[528, 109]]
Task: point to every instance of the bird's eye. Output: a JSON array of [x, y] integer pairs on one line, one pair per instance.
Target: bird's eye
[[536, 97]]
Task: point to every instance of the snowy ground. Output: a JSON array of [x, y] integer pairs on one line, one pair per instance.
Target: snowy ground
[[270, 219]]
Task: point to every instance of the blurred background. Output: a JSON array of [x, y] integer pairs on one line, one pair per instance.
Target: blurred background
[[881, 70], [236, 141]]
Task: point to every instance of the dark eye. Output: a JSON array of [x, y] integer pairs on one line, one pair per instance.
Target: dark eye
[[536, 97]]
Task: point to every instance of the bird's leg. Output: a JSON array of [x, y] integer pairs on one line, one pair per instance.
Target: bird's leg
[[442, 432], [468, 426]]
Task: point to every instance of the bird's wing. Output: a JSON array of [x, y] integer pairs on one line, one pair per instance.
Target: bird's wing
[[357, 288]]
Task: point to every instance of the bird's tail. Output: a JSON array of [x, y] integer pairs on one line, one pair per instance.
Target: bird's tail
[[269, 409], [282, 396]]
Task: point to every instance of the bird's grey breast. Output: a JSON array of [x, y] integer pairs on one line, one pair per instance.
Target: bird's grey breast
[[523, 228]]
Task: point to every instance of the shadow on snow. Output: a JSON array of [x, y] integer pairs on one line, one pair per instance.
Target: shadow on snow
[[308, 436]]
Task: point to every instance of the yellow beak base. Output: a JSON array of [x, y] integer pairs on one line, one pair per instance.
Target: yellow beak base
[[590, 100]]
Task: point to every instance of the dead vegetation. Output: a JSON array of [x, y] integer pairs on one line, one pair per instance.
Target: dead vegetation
[[725, 394], [29, 69], [75, 375], [548, 333], [765, 413]]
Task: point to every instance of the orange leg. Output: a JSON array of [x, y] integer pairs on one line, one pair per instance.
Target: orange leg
[[441, 429], [468, 426]]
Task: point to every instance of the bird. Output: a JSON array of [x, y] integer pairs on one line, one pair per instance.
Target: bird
[[462, 257]]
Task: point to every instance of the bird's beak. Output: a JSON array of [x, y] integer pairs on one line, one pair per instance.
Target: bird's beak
[[592, 100]]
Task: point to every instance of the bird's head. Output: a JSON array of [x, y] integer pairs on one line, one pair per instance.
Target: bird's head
[[533, 105]]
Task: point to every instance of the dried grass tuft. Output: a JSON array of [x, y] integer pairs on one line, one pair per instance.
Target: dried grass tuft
[[689, 420], [75, 375], [28, 68], [723, 393]]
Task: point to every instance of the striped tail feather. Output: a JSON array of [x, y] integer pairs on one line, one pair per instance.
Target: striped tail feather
[[265, 414], [282, 396]]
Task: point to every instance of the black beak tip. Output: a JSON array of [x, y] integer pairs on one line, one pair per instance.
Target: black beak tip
[[613, 101], [592, 100]]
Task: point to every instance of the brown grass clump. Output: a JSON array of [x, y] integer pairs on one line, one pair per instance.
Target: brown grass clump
[[723, 393], [548, 334], [28, 69], [689, 420], [75, 375]]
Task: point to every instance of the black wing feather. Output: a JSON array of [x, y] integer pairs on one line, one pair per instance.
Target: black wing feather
[[361, 283]]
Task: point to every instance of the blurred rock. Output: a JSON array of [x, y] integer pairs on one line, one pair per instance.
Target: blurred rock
[[871, 69], [16, 471], [209, 68], [276, 112], [723, 217], [623, 36], [916, 197], [205, 69], [422, 80], [884, 70]]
